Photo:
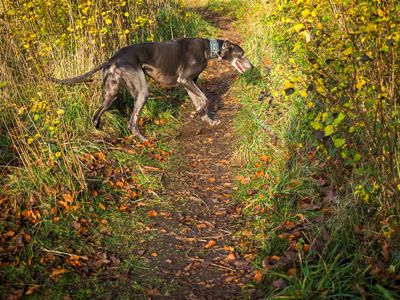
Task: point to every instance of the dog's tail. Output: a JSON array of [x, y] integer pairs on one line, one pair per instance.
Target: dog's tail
[[80, 78]]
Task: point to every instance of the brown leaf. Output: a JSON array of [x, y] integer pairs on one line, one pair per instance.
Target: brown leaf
[[212, 179], [100, 156], [10, 233], [330, 195], [26, 237], [246, 233], [67, 197], [119, 184], [230, 257], [292, 271], [201, 226], [32, 289], [152, 214], [229, 248], [64, 204], [58, 271], [265, 158], [385, 251], [210, 244], [76, 225], [278, 283], [258, 276]]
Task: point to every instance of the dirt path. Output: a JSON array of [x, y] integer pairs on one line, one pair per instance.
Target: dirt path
[[194, 252]]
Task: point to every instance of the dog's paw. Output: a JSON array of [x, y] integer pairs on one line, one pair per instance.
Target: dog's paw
[[96, 124], [215, 122], [196, 113], [210, 121]]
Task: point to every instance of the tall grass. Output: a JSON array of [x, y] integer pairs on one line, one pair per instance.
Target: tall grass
[[46, 125], [290, 175]]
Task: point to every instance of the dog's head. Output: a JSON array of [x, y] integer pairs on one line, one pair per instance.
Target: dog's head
[[235, 55]]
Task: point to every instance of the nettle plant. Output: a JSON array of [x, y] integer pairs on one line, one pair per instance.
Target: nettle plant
[[348, 52]]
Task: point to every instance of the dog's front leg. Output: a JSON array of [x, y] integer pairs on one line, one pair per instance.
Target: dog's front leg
[[196, 102], [203, 103]]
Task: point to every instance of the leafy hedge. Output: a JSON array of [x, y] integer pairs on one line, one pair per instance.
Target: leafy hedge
[[347, 52]]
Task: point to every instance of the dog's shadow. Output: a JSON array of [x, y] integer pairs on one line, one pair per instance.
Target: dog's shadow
[[215, 88]]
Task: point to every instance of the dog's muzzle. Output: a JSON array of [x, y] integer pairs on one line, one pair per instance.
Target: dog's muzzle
[[242, 65]]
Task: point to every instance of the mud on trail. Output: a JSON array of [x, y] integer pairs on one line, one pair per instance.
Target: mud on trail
[[194, 255]]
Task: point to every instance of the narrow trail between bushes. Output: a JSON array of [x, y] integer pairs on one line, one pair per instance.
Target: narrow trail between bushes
[[194, 255]]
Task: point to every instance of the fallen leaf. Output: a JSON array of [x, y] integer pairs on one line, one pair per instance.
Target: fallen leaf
[[292, 271], [258, 276], [64, 204], [67, 197], [265, 158], [119, 184], [210, 244], [154, 254], [152, 214], [26, 237], [306, 247], [101, 206], [301, 217], [230, 257], [100, 155], [32, 289], [278, 283], [76, 225], [133, 195], [153, 293], [201, 226], [212, 179], [276, 257], [10, 233], [58, 271], [229, 248], [385, 251], [246, 233]]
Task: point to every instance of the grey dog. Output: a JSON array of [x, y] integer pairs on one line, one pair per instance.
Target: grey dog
[[174, 63]]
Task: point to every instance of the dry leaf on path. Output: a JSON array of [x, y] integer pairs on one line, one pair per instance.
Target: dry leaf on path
[[230, 257], [152, 214], [210, 244]]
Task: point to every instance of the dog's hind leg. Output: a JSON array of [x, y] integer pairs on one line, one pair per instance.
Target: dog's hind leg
[[111, 83], [135, 82]]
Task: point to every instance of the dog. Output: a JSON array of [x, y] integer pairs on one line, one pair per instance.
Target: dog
[[177, 62]]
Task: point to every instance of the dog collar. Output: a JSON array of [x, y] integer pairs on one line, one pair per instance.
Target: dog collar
[[214, 49]]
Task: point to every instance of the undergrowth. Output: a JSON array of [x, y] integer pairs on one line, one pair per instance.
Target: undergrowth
[[321, 230], [74, 199]]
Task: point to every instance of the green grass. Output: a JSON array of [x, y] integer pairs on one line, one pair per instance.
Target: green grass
[[295, 180]]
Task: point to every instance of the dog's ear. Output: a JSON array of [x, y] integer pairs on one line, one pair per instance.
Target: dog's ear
[[227, 44]]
